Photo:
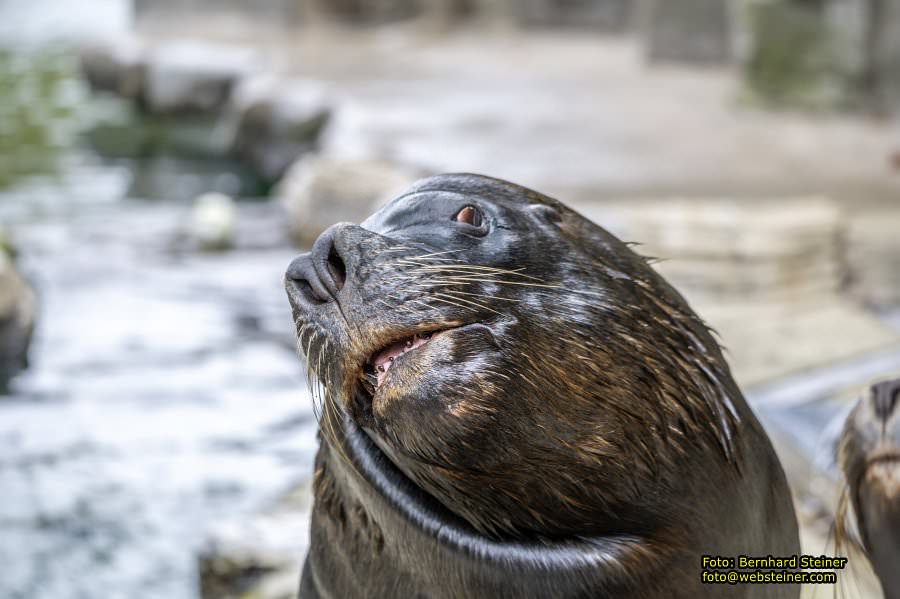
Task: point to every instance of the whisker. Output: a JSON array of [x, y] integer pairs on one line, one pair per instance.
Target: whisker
[[437, 254], [443, 301], [477, 268], [385, 304], [469, 302], [484, 295], [476, 279], [308, 345], [416, 261], [420, 302]]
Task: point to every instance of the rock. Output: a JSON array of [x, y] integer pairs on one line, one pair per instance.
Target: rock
[[259, 557], [319, 191], [607, 15], [115, 66], [169, 78], [193, 77], [213, 221], [17, 314], [275, 121], [691, 31], [873, 258]]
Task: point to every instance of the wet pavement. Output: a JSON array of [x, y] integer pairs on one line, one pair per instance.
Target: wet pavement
[[164, 395]]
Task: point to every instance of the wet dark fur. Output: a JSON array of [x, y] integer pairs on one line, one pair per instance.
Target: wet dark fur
[[579, 436], [869, 455]]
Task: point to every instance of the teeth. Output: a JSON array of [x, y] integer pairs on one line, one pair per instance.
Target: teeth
[[383, 360]]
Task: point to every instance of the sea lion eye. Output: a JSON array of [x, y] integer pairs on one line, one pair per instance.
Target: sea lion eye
[[469, 215]]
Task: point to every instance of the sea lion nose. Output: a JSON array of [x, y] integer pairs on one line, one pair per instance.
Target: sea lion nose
[[319, 274], [884, 398]]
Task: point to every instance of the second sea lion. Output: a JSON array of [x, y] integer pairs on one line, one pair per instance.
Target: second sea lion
[[869, 455]]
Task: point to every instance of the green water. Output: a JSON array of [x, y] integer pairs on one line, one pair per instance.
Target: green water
[[40, 96]]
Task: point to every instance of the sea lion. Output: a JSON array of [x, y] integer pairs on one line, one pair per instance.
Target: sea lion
[[869, 455], [514, 404]]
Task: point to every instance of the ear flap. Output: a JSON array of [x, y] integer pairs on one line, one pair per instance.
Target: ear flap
[[561, 219], [546, 213]]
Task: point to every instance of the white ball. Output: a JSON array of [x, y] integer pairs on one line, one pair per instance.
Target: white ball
[[213, 221]]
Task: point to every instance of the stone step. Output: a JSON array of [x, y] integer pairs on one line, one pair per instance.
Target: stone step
[[767, 274], [732, 228]]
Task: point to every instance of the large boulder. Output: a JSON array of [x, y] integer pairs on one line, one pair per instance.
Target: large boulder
[[115, 65], [275, 121], [191, 77], [320, 191], [17, 313], [169, 78], [260, 556]]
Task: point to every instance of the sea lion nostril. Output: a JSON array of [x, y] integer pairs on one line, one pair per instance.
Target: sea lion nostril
[[336, 268], [302, 274], [885, 397], [328, 263]]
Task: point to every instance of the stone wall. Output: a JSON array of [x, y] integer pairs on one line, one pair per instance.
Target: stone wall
[[695, 31], [218, 18], [882, 52], [160, 15], [605, 15], [797, 53]]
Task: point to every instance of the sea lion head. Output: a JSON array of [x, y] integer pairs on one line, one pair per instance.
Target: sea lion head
[[869, 455], [513, 359]]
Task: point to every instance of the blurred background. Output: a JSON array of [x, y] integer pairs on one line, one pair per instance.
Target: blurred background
[[161, 161]]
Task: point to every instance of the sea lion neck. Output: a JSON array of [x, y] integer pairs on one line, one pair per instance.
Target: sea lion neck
[[404, 514]]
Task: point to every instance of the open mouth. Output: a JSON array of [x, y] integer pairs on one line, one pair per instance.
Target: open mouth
[[379, 363]]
